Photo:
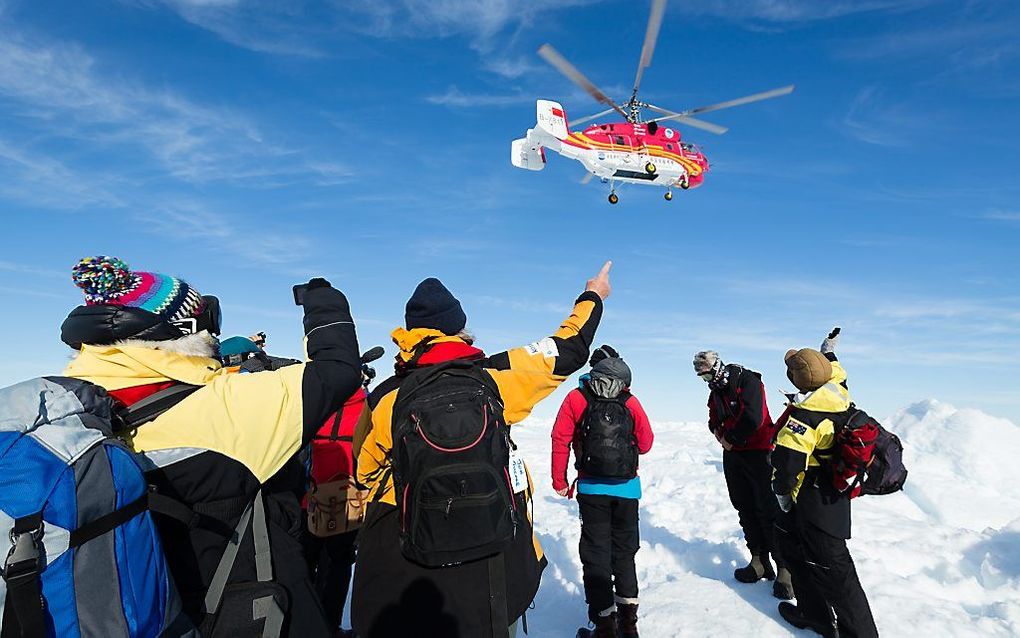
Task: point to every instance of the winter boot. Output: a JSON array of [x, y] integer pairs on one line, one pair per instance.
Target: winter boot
[[793, 615], [605, 627], [626, 620], [760, 567], [783, 587]]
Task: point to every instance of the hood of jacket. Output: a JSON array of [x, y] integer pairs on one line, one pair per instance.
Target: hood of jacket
[[430, 347], [834, 396], [120, 366]]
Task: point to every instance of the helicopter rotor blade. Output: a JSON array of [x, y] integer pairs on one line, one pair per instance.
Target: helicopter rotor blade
[[553, 57], [591, 117], [651, 37], [683, 118], [740, 101], [702, 124]]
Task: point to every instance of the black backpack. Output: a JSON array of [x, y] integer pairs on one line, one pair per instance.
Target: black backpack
[[607, 446], [451, 451]]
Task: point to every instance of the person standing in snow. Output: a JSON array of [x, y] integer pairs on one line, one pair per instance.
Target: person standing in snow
[[815, 524], [396, 595], [738, 417], [607, 429], [229, 446]]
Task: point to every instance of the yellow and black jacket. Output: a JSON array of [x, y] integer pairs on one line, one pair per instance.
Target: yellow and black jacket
[[236, 434], [805, 439], [395, 597]]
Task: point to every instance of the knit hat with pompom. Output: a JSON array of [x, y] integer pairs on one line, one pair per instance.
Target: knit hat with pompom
[[109, 281]]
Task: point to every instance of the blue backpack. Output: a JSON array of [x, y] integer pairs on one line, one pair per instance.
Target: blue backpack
[[80, 553]]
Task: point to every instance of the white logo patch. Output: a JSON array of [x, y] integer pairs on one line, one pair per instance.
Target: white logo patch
[[546, 347]]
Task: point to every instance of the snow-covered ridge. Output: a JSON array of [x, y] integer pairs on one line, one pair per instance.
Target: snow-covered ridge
[[940, 559]]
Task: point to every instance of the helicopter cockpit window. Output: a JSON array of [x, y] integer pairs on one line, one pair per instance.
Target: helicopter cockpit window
[[687, 147]]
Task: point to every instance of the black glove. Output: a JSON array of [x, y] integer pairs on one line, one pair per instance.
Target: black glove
[[317, 282]]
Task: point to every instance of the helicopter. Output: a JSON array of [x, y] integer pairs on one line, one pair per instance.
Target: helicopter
[[637, 150]]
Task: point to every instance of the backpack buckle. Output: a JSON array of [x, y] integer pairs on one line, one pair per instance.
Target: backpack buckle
[[24, 555]]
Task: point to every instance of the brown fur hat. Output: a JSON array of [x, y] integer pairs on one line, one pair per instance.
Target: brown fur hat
[[808, 369]]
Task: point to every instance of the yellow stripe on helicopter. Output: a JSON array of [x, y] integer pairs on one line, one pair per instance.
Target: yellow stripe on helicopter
[[693, 168]]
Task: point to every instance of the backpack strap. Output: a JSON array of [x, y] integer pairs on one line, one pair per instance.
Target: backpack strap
[[497, 595], [266, 607], [334, 434], [154, 405], [214, 594], [24, 611]]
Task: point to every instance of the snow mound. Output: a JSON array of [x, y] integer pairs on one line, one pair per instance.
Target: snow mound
[[940, 559]]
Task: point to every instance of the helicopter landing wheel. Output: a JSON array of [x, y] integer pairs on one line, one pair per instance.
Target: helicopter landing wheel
[[669, 196], [650, 168], [685, 184], [613, 198]]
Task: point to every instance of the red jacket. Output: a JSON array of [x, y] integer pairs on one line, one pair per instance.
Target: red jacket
[[565, 433], [740, 411]]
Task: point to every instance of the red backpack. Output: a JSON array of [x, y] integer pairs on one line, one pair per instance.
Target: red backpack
[[868, 458], [335, 503]]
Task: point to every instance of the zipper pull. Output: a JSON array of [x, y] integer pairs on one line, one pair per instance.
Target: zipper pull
[[449, 503]]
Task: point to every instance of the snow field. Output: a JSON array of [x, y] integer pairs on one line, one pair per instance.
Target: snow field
[[940, 559]]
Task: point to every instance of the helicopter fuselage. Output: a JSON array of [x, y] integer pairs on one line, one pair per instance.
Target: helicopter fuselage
[[638, 153]]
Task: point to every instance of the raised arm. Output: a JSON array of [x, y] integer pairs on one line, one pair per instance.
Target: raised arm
[[528, 374], [333, 371]]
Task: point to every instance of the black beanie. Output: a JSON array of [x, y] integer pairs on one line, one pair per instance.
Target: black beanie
[[433, 306], [602, 352]]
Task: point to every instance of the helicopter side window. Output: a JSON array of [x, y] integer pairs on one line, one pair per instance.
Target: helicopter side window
[[669, 147], [621, 140]]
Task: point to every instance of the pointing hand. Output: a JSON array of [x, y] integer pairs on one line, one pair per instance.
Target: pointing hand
[[599, 284]]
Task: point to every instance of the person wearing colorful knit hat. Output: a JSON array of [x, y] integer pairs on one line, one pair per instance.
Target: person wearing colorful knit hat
[[124, 304], [229, 445]]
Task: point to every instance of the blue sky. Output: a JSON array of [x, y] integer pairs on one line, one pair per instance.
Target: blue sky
[[245, 145]]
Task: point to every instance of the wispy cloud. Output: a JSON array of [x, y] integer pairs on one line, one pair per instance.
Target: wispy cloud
[[22, 269], [189, 220], [795, 11], [39, 180], [456, 98], [308, 28], [1002, 215], [61, 88], [872, 119]]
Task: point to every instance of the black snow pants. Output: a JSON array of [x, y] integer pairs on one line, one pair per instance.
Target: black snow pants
[[824, 577], [749, 481], [609, 541], [330, 566]]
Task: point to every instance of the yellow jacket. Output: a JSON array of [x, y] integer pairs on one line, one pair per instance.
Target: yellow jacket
[[253, 418], [524, 376], [808, 432]]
